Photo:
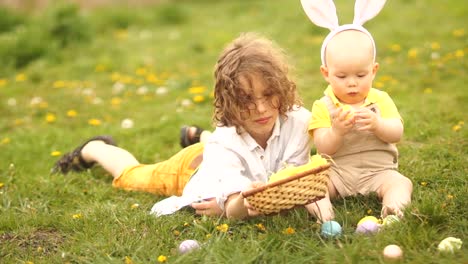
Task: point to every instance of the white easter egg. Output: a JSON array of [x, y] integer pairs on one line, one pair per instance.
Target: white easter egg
[[393, 252], [188, 245]]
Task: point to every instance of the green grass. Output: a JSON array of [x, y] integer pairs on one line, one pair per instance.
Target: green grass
[[73, 62]]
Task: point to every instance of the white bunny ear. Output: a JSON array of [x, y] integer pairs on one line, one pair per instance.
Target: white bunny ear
[[365, 10], [321, 12]]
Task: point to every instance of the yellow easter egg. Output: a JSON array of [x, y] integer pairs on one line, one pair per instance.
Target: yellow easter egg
[[314, 162], [350, 109], [369, 218]]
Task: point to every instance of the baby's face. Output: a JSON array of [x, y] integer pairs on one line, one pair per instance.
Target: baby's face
[[350, 68]]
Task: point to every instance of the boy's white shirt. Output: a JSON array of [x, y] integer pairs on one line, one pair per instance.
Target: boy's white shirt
[[232, 161]]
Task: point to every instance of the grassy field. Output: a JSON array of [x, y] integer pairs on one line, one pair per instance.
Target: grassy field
[[68, 74]]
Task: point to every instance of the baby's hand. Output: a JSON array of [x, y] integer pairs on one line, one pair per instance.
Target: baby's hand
[[366, 120], [343, 120]]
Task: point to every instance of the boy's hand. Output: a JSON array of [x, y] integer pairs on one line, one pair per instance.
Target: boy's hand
[[207, 207], [366, 120], [342, 121], [250, 209]]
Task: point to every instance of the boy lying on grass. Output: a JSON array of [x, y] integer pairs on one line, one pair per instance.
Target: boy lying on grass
[[260, 126]]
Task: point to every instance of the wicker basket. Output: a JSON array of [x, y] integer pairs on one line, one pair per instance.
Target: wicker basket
[[300, 189]]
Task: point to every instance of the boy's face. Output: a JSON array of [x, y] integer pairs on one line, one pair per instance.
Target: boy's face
[[350, 69], [261, 107]]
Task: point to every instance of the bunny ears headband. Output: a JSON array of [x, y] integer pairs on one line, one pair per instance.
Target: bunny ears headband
[[323, 14]]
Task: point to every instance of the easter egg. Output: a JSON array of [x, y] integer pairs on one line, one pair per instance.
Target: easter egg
[[188, 245], [367, 227], [350, 109], [392, 252], [449, 244], [390, 219], [369, 218], [331, 229]]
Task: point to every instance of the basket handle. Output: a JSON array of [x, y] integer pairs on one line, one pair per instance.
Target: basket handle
[[288, 179]]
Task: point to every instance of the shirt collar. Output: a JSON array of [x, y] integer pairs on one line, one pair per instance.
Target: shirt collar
[[370, 99], [252, 144]]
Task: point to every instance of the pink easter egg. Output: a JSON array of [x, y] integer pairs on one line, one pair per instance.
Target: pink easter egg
[[367, 227]]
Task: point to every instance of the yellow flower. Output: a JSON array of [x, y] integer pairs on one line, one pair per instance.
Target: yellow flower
[[141, 71], [100, 68], [72, 113], [197, 89], [223, 228], [5, 141], [449, 196], [412, 53], [116, 101], [21, 77], [59, 84], [115, 76], [162, 259], [423, 183], [378, 84], [121, 34], [369, 211], [55, 153], [395, 47], [2, 184], [435, 45], [208, 235], [458, 32], [94, 122], [456, 128], [289, 231], [428, 90], [128, 260], [186, 224], [152, 78], [77, 216], [134, 206], [176, 232], [3, 82], [198, 98], [459, 53], [50, 118], [260, 227]]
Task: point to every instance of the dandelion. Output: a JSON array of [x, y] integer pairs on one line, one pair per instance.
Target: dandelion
[[94, 122], [72, 113], [412, 53], [39, 249], [395, 47], [121, 34], [456, 128], [29, 262], [21, 77], [128, 260], [116, 101], [197, 89], [5, 141], [50, 118], [186, 224], [77, 216], [59, 84], [423, 183], [198, 98], [449, 196], [378, 84], [162, 259], [208, 236], [260, 227], [152, 78], [222, 228], [135, 206], [459, 53], [289, 231], [100, 68], [176, 232], [427, 91], [458, 32], [141, 71], [435, 45], [55, 153], [3, 82], [2, 184], [369, 211]]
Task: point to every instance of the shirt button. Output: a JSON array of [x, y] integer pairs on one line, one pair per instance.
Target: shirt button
[[261, 157]]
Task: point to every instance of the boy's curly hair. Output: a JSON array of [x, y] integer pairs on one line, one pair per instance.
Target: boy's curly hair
[[250, 54]]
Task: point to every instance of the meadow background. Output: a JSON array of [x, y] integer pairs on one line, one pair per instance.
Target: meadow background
[[69, 72]]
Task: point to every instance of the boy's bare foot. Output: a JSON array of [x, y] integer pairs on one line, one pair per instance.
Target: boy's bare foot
[[190, 135]]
